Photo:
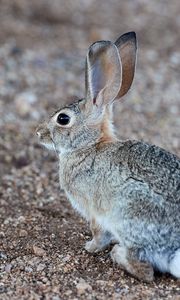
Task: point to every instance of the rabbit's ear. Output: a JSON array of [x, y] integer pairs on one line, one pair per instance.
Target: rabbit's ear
[[103, 73], [127, 47]]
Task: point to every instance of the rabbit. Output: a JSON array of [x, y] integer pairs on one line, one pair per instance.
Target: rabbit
[[128, 191]]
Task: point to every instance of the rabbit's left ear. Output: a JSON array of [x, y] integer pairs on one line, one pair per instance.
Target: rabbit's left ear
[[103, 73], [127, 47]]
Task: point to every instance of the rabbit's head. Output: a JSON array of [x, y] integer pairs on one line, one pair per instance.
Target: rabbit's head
[[109, 74]]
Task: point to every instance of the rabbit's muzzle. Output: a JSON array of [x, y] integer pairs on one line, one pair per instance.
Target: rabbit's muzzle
[[44, 136]]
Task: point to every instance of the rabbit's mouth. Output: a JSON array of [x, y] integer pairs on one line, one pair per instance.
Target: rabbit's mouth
[[49, 146]]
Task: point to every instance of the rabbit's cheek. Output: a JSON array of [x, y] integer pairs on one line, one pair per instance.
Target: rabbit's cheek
[[59, 139]]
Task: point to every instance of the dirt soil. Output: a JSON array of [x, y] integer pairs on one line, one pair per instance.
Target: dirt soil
[[42, 49]]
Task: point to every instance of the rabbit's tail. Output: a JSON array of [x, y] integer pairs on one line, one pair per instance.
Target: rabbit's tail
[[174, 265]]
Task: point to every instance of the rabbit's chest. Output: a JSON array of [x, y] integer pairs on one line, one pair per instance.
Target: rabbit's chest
[[80, 205], [77, 189], [89, 186]]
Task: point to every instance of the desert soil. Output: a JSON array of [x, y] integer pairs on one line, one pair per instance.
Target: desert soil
[[42, 49]]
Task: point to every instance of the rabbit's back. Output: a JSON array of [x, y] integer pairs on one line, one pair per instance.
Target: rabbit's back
[[154, 166], [145, 177], [128, 169]]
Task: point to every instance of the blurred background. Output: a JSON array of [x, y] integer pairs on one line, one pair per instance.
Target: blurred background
[[42, 50], [43, 44]]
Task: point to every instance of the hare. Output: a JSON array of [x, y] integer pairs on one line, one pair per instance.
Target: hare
[[127, 190]]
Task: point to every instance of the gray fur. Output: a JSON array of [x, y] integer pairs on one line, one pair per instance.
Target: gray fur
[[130, 189]]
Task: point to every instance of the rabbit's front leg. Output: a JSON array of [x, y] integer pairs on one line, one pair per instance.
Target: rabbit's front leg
[[101, 239], [128, 260]]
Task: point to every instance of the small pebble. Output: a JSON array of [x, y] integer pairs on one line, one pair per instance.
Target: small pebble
[[2, 234], [8, 268], [21, 219], [28, 269], [3, 256], [40, 267], [83, 286], [23, 233], [38, 251]]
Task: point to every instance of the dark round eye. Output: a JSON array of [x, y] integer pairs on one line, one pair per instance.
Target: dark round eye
[[63, 119]]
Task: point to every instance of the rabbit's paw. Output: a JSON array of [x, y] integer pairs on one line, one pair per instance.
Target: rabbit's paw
[[92, 246], [141, 270]]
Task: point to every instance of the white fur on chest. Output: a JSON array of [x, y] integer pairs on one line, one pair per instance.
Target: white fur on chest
[[77, 206]]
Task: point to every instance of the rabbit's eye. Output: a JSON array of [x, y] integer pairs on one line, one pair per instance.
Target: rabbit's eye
[[63, 119]]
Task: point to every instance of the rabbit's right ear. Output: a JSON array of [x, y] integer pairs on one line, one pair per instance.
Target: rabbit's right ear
[[103, 74]]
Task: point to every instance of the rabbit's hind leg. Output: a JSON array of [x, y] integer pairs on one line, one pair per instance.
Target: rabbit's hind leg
[[128, 260], [101, 239], [174, 265]]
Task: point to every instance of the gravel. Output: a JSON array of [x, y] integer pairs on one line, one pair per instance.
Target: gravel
[[42, 50]]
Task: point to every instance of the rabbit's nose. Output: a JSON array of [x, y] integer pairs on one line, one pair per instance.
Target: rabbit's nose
[[38, 133]]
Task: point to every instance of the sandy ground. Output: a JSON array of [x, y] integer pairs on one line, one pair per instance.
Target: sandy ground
[[42, 49]]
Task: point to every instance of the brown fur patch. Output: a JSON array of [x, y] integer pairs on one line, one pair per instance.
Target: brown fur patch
[[107, 133]]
